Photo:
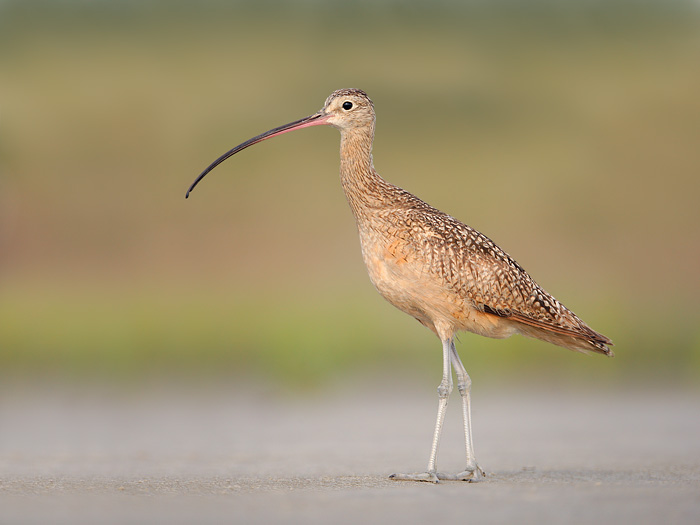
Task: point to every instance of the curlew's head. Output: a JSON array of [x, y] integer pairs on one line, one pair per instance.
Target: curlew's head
[[345, 109], [348, 109]]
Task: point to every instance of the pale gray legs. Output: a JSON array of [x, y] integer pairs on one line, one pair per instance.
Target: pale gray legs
[[472, 472]]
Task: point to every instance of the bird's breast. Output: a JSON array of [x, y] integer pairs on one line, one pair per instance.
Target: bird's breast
[[401, 273], [397, 274]]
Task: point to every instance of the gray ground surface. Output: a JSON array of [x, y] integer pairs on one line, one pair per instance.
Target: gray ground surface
[[213, 456]]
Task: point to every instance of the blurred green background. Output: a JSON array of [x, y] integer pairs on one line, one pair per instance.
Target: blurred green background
[[568, 132]]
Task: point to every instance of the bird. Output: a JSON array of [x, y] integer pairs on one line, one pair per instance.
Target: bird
[[448, 276]]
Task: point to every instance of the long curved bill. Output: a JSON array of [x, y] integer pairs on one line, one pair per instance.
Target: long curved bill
[[317, 119]]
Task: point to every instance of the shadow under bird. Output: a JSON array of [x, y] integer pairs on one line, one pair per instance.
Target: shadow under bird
[[445, 274]]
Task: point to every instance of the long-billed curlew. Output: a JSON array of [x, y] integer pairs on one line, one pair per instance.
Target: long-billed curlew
[[438, 270]]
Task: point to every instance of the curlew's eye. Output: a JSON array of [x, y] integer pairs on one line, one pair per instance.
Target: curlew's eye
[[347, 105]]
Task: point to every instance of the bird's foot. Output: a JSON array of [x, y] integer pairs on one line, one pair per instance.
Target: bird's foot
[[430, 476], [472, 474]]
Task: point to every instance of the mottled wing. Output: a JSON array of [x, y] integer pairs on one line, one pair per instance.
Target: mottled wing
[[480, 271]]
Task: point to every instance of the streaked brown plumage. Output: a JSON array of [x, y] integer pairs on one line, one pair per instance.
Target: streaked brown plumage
[[440, 271]]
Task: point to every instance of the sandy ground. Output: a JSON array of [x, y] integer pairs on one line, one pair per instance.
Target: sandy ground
[[175, 455]]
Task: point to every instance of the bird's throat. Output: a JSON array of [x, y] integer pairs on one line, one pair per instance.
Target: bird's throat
[[364, 188]]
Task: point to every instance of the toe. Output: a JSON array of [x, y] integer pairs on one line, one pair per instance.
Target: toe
[[472, 475], [430, 477]]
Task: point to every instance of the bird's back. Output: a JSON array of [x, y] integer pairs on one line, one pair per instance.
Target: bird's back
[[451, 277]]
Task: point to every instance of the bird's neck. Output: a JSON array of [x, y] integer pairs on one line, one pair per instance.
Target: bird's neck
[[364, 188]]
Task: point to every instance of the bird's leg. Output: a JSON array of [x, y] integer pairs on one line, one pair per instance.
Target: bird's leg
[[443, 394], [472, 472]]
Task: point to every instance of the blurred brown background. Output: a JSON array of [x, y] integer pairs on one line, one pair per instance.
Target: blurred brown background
[[567, 132]]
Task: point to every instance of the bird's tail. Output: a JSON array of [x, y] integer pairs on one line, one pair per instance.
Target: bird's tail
[[581, 339]]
